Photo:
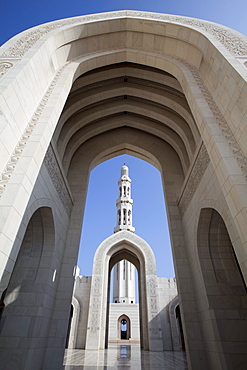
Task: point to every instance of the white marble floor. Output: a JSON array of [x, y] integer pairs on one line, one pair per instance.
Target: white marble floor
[[123, 357]]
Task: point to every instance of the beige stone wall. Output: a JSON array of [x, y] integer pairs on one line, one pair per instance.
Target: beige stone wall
[[132, 312], [167, 289], [78, 329]]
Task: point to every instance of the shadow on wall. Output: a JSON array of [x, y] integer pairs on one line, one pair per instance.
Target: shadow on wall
[[28, 301], [171, 326]]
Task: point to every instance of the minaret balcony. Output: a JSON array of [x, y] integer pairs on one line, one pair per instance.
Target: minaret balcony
[[124, 227], [124, 200]]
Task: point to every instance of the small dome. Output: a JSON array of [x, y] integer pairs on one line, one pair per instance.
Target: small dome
[[124, 170]]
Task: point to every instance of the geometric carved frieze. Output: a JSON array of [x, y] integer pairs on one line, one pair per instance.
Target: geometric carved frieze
[[225, 129], [203, 158], [197, 172], [15, 156], [124, 237], [230, 39], [56, 176]]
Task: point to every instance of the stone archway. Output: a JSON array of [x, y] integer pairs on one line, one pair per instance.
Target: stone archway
[[150, 85], [126, 333], [124, 245]]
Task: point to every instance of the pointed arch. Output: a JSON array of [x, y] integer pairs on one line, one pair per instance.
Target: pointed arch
[[128, 246]]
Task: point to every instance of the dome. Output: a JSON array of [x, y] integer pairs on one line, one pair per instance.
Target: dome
[[124, 170]]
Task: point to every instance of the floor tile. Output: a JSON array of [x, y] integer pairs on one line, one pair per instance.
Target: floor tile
[[123, 357]]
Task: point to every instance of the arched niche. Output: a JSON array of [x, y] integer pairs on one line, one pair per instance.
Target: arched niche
[[223, 301], [29, 298], [176, 325], [124, 245]]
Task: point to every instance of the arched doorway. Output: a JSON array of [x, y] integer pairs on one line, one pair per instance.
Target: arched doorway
[[124, 327]]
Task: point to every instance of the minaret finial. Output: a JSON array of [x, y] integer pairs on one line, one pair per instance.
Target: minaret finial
[[124, 202]]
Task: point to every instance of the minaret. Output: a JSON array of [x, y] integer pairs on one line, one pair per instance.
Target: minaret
[[124, 202], [124, 271]]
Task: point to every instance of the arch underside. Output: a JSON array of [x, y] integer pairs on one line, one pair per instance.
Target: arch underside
[[126, 95]]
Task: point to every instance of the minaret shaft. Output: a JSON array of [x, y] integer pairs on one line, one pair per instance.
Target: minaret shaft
[[124, 282], [124, 271]]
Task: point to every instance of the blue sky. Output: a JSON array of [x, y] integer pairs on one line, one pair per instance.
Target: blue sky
[[148, 211], [149, 216]]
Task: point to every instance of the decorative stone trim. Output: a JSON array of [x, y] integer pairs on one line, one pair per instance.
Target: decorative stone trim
[[4, 67], [200, 166], [55, 173], [14, 158], [128, 237], [226, 37], [229, 39], [226, 131]]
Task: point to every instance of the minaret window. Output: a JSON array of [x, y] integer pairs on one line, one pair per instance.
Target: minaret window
[[128, 191], [124, 216], [129, 216], [119, 217], [120, 191], [124, 191]]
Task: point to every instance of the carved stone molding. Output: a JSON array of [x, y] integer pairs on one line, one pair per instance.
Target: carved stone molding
[[57, 179], [124, 237], [4, 67], [225, 129], [233, 43], [14, 158], [230, 39], [194, 180]]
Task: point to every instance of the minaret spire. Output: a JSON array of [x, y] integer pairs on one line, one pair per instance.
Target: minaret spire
[[124, 202]]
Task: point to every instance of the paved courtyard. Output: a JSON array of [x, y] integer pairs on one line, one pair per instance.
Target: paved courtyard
[[123, 357]]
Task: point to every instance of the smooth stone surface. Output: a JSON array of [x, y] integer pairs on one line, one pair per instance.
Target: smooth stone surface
[[123, 356]]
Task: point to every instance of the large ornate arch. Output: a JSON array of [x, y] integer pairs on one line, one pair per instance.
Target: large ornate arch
[[181, 61], [194, 133]]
